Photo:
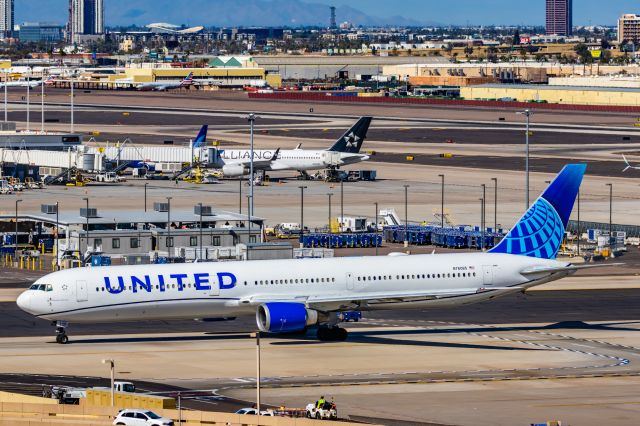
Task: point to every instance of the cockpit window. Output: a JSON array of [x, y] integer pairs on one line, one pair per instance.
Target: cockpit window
[[41, 287]]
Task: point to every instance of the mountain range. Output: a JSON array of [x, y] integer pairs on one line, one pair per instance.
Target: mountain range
[[221, 13]]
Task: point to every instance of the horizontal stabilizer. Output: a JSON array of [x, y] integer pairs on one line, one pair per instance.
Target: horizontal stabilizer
[[569, 268]]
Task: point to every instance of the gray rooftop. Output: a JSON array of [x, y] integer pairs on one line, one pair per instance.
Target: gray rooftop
[[132, 216]]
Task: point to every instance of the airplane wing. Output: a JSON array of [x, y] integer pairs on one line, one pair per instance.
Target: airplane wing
[[338, 301]]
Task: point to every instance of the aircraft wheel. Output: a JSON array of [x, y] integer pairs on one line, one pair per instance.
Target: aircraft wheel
[[63, 339]]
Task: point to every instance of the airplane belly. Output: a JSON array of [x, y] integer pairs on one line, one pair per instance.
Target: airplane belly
[[147, 311]]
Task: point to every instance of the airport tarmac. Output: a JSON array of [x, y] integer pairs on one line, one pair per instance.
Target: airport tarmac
[[446, 366], [462, 193]]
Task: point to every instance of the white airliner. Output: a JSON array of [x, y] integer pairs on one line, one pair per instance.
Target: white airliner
[[28, 83], [167, 85], [345, 151], [287, 296]]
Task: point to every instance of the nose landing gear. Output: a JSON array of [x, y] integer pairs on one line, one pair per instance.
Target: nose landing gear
[[61, 333]]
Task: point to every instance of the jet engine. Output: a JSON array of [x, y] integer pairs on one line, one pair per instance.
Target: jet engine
[[234, 170], [285, 317]]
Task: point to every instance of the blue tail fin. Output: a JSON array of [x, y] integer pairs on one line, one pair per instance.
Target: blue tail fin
[[540, 231], [201, 139]]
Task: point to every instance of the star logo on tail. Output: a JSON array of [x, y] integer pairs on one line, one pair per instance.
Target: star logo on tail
[[352, 140]]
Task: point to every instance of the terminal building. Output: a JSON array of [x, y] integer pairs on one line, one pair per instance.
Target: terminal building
[[223, 72], [138, 236]]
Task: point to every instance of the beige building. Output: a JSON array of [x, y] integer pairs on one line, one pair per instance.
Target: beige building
[[218, 77], [629, 28], [554, 94]]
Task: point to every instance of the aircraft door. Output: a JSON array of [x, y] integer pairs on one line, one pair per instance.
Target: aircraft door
[[350, 280], [82, 293], [330, 158], [487, 275]]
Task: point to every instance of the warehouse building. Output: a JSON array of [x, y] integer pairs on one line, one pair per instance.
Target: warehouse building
[[308, 67], [576, 95]]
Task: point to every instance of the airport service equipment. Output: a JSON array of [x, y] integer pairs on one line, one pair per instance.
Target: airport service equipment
[[288, 296]]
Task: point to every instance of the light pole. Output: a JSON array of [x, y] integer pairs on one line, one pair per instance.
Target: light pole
[[610, 185], [28, 105], [495, 204], [579, 224], [72, 106], [484, 211], [240, 196], [406, 216], [527, 113], [376, 227], [329, 195], [200, 211], [42, 105], [6, 80], [482, 231], [57, 236], [169, 242], [442, 204], [341, 204], [302, 188], [86, 199], [145, 197], [16, 236], [112, 365], [258, 373], [252, 119]]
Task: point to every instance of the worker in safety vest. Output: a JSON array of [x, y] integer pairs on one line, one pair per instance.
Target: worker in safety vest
[[320, 403]]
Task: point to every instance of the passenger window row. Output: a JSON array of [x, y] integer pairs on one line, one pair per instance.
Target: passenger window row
[[418, 276], [293, 281]]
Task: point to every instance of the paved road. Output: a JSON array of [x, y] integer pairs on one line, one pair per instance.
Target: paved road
[[537, 164], [535, 307]]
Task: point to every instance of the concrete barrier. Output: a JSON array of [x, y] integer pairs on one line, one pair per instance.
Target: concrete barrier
[[45, 414]]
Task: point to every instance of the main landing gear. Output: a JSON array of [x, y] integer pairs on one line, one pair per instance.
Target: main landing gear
[[332, 334], [61, 333]]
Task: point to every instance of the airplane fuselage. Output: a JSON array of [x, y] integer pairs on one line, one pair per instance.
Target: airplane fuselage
[[294, 159], [230, 289]]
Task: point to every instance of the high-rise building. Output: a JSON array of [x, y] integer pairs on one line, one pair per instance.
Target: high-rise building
[[6, 17], [86, 17], [559, 17], [629, 28], [332, 23]]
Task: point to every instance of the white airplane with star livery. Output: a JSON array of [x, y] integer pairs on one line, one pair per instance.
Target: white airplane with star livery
[[345, 151], [288, 296]]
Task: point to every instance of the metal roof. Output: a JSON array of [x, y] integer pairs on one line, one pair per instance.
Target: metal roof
[[131, 216]]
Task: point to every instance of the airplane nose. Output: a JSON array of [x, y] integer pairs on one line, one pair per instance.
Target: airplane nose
[[24, 301]]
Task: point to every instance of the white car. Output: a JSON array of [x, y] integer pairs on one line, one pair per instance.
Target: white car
[[254, 412], [141, 418]]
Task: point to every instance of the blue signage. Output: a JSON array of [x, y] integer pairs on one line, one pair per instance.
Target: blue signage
[[201, 282]]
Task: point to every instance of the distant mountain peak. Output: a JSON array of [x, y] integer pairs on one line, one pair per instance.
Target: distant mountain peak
[[223, 13]]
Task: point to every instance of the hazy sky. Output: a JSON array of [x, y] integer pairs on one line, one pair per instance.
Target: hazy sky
[[458, 12]]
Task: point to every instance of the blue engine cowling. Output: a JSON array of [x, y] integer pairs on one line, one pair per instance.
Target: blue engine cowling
[[284, 317]]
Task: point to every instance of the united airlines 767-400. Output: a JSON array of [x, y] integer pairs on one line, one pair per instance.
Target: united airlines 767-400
[[287, 296]]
